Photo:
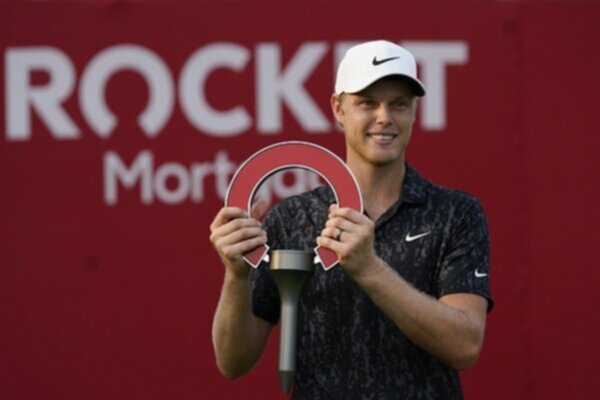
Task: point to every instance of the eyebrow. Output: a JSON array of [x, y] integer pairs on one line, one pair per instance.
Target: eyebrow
[[404, 98], [401, 97]]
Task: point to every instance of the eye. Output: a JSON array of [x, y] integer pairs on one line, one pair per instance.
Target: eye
[[400, 104], [368, 103]]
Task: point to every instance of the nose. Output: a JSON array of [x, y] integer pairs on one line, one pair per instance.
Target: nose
[[383, 115]]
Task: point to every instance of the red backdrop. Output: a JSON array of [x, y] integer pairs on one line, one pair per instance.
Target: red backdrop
[[107, 280]]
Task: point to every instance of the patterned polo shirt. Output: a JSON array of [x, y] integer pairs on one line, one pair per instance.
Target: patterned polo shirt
[[435, 238]]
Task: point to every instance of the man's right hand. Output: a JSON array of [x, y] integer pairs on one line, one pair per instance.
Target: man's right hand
[[233, 234], [239, 337]]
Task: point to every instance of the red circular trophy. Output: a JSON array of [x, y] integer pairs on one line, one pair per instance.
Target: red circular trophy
[[291, 268]]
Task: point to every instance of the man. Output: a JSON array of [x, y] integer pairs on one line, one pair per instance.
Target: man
[[406, 307]]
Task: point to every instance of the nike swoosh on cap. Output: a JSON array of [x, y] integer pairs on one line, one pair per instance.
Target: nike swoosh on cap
[[379, 62]]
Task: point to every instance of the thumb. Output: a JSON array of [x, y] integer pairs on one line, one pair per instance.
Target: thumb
[[259, 209]]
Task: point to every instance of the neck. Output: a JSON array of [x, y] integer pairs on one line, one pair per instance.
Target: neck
[[381, 186]]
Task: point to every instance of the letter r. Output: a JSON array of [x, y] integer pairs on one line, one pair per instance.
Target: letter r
[[21, 96]]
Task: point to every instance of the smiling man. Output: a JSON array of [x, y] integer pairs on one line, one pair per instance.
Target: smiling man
[[406, 308]]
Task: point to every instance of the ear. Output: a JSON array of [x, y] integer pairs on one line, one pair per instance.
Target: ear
[[336, 108], [415, 106]]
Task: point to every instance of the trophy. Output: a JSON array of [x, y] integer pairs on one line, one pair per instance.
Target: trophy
[[291, 268]]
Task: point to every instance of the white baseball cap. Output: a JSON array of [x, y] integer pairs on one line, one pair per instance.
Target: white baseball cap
[[368, 62]]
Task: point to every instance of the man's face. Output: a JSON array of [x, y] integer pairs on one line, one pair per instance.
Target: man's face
[[377, 122]]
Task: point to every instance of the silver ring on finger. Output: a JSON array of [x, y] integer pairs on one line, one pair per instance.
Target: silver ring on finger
[[339, 235]]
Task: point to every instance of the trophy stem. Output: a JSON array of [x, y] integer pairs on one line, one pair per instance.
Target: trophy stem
[[286, 380], [290, 270]]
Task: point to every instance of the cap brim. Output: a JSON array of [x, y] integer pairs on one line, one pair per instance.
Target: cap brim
[[417, 87]]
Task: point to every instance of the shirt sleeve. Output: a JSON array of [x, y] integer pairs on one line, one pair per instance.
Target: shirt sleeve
[[465, 266]]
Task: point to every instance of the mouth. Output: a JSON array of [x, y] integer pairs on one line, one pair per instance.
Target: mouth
[[382, 138]]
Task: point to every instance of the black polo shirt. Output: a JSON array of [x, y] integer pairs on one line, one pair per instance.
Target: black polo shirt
[[435, 238]]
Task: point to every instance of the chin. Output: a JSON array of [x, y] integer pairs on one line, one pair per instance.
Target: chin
[[385, 159]]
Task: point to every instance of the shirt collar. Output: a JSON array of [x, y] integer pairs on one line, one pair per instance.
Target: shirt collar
[[414, 189]]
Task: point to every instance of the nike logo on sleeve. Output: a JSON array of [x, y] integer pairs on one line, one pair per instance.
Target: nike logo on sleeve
[[480, 274]]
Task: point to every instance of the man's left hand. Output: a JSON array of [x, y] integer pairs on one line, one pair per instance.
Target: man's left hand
[[350, 235]]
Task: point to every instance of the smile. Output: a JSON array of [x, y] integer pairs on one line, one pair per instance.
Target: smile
[[382, 137]]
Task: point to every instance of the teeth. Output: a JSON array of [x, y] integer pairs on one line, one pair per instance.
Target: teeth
[[382, 137]]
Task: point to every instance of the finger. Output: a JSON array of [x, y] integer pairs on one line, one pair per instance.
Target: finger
[[340, 223], [240, 235], [233, 226], [223, 244], [330, 243], [332, 232], [347, 213], [238, 249], [227, 214]]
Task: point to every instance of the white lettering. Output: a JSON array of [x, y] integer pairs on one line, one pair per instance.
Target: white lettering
[[115, 171], [21, 97], [174, 183], [106, 63], [199, 171], [433, 57], [224, 170], [277, 87], [283, 190], [182, 186], [287, 86], [191, 90]]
